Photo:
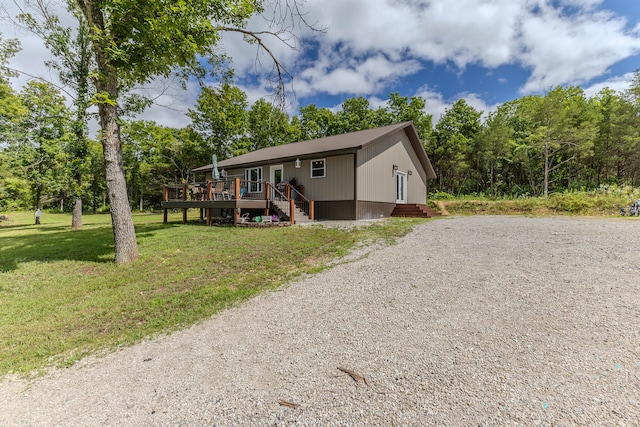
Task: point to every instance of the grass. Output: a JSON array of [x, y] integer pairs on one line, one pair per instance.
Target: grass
[[62, 297], [595, 203]]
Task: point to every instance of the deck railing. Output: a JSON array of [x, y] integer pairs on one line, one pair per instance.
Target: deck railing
[[273, 193], [301, 202], [236, 189]]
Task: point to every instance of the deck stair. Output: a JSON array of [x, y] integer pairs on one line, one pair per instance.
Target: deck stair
[[282, 207], [414, 211]]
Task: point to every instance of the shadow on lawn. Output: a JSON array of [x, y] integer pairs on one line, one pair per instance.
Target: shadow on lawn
[[57, 243]]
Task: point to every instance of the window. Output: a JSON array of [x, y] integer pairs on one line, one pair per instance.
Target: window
[[318, 168], [253, 176]]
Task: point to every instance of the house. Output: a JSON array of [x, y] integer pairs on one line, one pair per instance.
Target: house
[[357, 175]]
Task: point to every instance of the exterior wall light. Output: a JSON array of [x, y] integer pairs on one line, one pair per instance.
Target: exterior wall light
[[395, 168], [297, 163], [409, 172]]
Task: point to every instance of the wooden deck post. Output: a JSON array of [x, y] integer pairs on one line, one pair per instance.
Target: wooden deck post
[[311, 210], [287, 191], [164, 216], [209, 216], [267, 192], [236, 193], [184, 198], [209, 190], [292, 208], [236, 216]]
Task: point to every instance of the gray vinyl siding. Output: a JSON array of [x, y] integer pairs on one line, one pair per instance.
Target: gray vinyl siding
[[338, 183], [376, 178]]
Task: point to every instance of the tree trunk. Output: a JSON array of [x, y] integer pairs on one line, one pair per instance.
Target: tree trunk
[[126, 247], [546, 169], [106, 82], [76, 215]]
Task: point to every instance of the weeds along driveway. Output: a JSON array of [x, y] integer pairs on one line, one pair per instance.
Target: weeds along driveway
[[467, 321]]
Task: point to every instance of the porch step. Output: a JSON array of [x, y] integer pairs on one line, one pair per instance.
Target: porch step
[[282, 206], [414, 211]]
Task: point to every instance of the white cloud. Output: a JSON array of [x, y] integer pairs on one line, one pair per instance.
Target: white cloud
[[436, 104], [566, 42], [618, 84], [372, 45], [334, 75], [561, 50]]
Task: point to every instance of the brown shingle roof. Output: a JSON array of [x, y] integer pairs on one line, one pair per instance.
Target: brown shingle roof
[[329, 145]]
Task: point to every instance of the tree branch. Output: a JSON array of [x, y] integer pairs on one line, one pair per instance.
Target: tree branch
[[280, 69]]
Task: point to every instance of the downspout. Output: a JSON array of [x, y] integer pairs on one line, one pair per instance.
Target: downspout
[[355, 184]]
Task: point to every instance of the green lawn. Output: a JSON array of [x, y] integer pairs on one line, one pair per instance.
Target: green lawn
[[62, 297]]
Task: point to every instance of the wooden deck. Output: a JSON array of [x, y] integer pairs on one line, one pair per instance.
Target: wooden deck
[[233, 195]]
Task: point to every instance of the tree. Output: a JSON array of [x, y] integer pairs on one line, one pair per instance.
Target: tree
[[494, 144], [404, 109], [631, 119], [267, 126], [564, 131], [616, 140], [155, 155], [450, 147], [71, 48], [356, 114], [133, 42], [39, 152], [13, 188], [8, 48], [220, 118], [317, 122]]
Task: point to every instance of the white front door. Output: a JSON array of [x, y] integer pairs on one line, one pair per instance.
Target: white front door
[[401, 187], [275, 177], [275, 174]]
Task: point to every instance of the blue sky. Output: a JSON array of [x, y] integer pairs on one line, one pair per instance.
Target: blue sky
[[486, 51]]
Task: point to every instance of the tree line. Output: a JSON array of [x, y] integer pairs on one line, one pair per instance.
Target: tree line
[[110, 47], [557, 141], [533, 145]]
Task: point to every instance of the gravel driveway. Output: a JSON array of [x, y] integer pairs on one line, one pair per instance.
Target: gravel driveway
[[467, 321]]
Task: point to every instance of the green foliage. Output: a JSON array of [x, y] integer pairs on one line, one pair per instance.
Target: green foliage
[[356, 114], [451, 148], [403, 109], [8, 48], [155, 155], [267, 126], [145, 39], [317, 122], [38, 154], [220, 118], [62, 298], [602, 202]]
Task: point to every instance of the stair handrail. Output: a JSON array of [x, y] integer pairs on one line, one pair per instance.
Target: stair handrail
[[305, 205], [285, 208]]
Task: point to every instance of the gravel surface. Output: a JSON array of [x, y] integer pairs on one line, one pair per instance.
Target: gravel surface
[[467, 321]]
